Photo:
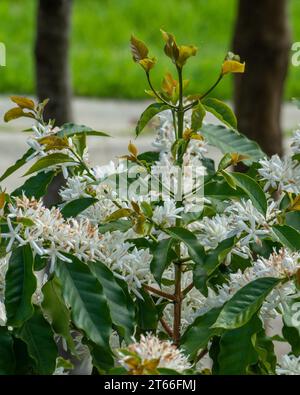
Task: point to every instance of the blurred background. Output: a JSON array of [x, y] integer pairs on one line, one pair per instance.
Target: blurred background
[[76, 52]]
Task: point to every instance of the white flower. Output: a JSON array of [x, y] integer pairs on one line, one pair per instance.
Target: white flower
[[74, 189], [167, 213], [151, 353], [102, 172], [290, 365], [213, 230], [283, 264], [295, 142], [280, 173], [12, 235]]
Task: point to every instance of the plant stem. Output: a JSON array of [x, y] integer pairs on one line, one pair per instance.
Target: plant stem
[[157, 94], [178, 267], [188, 289], [190, 106], [202, 354], [177, 304], [159, 292], [166, 327]]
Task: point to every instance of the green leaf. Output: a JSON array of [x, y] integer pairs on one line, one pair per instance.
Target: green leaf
[[162, 257], [253, 190], [19, 163], [229, 140], [265, 348], [198, 334], [35, 186], [150, 157], [49, 161], [201, 273], [292, 219], [147, 315], [148, 114], [291, 320], [245, 303], [38, 336], [237, 352], [24, 363], [84, 294], [102, 358], [220, 189], [71, 129], [121, 224], [56, 311], [287, 236], [7, 360], [120, 306], [75, 207], [20, 286], [198, 115], [230, 180], [221, 111], [196, 250]]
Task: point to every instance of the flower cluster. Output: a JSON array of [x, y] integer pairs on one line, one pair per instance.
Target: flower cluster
[[150, 354], [166, 241]]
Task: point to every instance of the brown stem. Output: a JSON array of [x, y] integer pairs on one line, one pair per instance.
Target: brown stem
[[188, 289], [177, 305], [182, 260], [159, 292], [202, 354], [166, 327]]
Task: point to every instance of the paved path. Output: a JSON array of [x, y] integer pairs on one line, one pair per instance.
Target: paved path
[[118, 118]]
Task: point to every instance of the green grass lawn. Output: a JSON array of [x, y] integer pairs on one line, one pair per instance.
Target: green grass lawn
[[100, 57]]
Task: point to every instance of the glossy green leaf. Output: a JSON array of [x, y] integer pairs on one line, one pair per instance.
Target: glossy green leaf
[[198, 334], [196, 250], [75, 207], [71, 129], [220, 189], [291, 320], [84, 294], [148, 114], [198, 115], [162, 257], [120, 306], [35, 186], [245, 303], [149, 157], [211, 262], [229, 140], [7, 357], [147, 315], [288, 236], [56, 311], [38, 336], [120, 224], [292, 219], [264, 346], [237, 352], [20, 286], [19, 163], [102, 358], [221, 111], [49, 161], [253, 190]]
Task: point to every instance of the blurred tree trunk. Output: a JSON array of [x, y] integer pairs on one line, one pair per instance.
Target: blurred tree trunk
[[52, 61], [52, 69], [262, 39]]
